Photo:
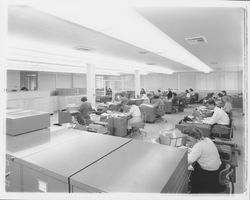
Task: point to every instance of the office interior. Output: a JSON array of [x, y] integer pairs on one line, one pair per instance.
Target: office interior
[[58, 55]]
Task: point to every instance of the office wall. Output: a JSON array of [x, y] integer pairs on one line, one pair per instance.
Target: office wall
[[13, 79], [153, 82], [229, 81], [187, 80], [79, 81], [46, 81], [215, 81], [64, 80]]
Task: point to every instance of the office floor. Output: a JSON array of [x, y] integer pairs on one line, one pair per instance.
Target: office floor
[[169, 121]]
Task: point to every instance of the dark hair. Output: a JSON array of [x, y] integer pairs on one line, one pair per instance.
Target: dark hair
[[191, 89], [211, 102], [220, 95], [224, 92], [194, 132], [187, 91], [83, 99], [174, 94], [156, 97]]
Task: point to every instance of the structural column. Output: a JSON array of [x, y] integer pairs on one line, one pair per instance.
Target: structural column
[[3, 83], [91, 93], [137, 82]]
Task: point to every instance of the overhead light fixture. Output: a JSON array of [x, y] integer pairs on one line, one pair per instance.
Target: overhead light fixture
[[125, 24]]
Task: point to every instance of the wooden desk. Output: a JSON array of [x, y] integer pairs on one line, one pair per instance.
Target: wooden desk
[[135, 101], [136, 167], [117, 125]]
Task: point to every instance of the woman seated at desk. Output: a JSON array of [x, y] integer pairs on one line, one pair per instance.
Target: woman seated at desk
[[85, 110], [134, 115], [219, 116], [123, 101], [205, 155], [145, 98]]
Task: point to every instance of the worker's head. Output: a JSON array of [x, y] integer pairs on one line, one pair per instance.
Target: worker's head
[[187, 91], [220, 95], [226, 99], [210, 104], [156, 97], [224, 92], [194, 134], [83, 99], [191, 90]]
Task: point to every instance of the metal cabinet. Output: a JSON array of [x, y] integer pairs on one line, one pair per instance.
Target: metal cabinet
[[24, 121], [12, 175], [50, 169], [136, 167], [18, 147]]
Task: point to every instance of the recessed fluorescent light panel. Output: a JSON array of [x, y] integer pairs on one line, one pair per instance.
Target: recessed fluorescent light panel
[[125, 24]]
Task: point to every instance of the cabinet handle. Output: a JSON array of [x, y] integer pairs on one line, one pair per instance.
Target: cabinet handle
[[7, 174]]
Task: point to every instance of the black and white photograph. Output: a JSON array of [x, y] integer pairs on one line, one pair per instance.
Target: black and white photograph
[[124, 99]]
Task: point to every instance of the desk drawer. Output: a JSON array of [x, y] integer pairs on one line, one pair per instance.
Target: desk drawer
[[39, 181]]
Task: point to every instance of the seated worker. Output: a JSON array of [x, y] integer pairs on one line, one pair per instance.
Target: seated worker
[[85, 110], [227, 107], [135, 116], [191, 91], [159, 92], [142, 91], [188, 95], [145, 99], [219, 116], [174, 99], [123, 101], [224, 93], [205, 99], [205, 158], [170, 93]]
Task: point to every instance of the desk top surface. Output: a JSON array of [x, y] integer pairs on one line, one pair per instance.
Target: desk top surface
[[70, 156], [16, 114], [32, 142], [136, 167]]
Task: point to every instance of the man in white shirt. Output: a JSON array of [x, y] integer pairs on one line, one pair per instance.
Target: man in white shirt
[[219, 116]]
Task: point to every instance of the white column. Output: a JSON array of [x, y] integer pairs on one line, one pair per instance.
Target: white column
[[137, 82], [91, 84], [3, 83]]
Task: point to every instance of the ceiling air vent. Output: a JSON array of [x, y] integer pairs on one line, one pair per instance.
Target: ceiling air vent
[[196, 40]]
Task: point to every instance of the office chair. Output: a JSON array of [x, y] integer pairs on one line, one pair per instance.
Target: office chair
[[226, 178], [136, 130]]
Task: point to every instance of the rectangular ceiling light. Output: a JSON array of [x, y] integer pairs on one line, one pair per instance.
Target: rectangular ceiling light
[[125, 24]]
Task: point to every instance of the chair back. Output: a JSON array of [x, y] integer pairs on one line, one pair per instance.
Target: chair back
[[225, 178]]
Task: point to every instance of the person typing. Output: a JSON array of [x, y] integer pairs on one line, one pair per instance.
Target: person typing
[[205, 158], [219, 116]]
